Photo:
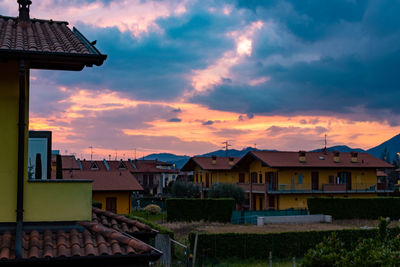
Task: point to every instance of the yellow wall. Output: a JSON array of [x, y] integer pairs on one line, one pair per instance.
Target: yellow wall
[[9, 102], [123, 200], [58, 201], [43, 201], [217, 176], [360, 178]]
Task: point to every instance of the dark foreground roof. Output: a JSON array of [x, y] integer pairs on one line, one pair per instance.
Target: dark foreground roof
[[47, 44], [123, 224], [86, 242]]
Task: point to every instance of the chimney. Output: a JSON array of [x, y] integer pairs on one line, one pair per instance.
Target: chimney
[[231, 161], [302, 156], [23, 7], [213, 159], [336, 156], [354, 157]]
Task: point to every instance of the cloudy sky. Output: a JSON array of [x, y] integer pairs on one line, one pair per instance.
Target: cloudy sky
[[185, 76]]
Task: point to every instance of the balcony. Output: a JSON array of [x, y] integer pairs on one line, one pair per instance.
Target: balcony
[[307, 188]]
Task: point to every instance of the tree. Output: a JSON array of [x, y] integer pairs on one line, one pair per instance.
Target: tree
[[223, 190], [38, 166], [184, 189]]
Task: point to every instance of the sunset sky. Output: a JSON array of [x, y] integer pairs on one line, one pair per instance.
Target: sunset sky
[[185, 76]]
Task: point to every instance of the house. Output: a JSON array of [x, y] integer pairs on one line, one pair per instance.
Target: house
[[113, 183], [210, 170], [284, 180], [153, 175], [46, 221]]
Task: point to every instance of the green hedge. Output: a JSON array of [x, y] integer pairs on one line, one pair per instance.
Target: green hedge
[[194, 209], [282, 245], [356, 208], [157, 227]]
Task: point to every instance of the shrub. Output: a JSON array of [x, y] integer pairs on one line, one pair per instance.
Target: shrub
[[282, 245], [183, 189], [381, 250], [356, 208], [224, 190], [213, 210], [152, 209]]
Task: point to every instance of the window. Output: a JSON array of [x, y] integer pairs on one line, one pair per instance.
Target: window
[[260, 178], [122, 166], [241, 177], [145, 179], [300, 178], [254, 177], [94, 166], [111, 204]]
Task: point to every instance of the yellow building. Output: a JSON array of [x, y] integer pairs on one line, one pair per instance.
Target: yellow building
[[210, 170], [113, 183], [284, 180]]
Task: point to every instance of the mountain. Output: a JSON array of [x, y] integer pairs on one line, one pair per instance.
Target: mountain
[[340, 149], [392, 147], [231, 152], [179, 161]]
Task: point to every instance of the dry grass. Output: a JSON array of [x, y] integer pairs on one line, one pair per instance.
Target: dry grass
[[182, 229]]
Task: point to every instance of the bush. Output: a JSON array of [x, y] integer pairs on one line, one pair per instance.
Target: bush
[[356, 208], [381, 250], [183, 189], [224, 190], [152, 209], [282, 245], [212, 210]]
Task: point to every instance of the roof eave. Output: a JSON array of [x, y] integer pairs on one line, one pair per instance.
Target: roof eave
[[54, 61]]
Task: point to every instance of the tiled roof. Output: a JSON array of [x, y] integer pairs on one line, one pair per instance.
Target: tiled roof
[[68, 162], [121, 223], [104, 180], [88, 239], [316, 159], [206, 163], [150, 166], [46, 43]]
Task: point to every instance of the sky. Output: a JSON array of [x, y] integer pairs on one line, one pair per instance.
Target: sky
[[184, 76]]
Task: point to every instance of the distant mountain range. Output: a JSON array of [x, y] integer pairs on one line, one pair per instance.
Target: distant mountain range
[[392, 147]]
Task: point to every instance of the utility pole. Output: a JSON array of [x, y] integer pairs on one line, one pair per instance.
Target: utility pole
[[227, 145]]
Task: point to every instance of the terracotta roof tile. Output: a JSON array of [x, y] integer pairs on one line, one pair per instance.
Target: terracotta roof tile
[[206, 163], [120, 223], [91, 239]]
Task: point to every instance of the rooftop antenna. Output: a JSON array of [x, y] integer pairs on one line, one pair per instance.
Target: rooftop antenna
[[91, 153], [116, 154], [325, 150], [135, 153], [227, 145]]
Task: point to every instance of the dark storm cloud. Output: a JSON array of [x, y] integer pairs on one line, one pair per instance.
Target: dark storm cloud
[[321, 58], [174, 120]]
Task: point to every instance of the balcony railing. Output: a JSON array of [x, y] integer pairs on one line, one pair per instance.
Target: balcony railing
[[308, 188]]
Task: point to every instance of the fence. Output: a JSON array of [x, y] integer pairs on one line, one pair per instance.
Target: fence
[[250, 217]]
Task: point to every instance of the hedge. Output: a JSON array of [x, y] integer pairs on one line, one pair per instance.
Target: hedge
[[194, 209], [282, 245], [356, 208], [157, 227]]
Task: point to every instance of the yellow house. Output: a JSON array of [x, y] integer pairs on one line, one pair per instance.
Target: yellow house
[[210, 170], [284, 180], [113, 183]]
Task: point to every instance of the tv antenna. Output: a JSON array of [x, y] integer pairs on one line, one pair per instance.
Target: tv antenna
[[226, 146], [91, 153]]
